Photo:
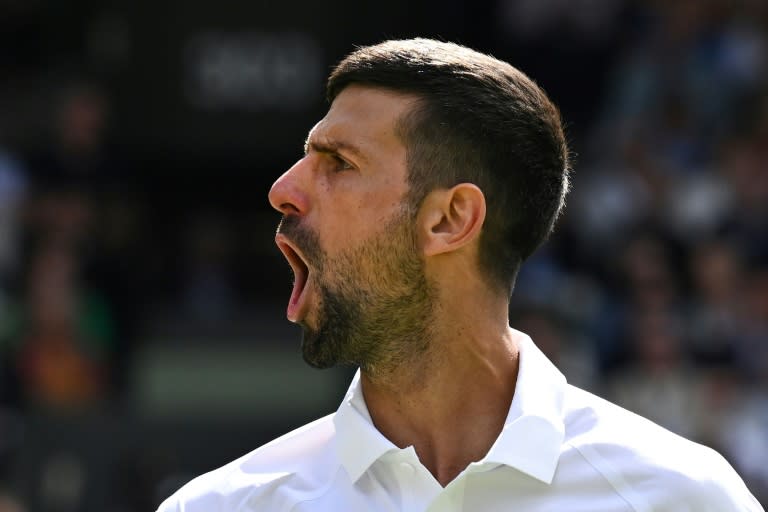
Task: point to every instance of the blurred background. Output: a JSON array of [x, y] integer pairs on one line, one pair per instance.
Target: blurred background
[[143, 337]]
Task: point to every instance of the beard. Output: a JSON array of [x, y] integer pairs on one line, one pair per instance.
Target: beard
[[375, 306]]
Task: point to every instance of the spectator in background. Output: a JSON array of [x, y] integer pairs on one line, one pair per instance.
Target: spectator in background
[[68, 177], [641, 282], [660, 382], [78, 157], [716, 317], [62, 335], [743, 166]]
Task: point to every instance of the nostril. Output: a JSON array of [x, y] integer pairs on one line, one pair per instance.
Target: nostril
[[287, 208]]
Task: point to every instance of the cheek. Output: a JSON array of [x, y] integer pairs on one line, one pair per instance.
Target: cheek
[[352, 215], [347, 227]]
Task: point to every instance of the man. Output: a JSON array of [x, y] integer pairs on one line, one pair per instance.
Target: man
[[435, 173]]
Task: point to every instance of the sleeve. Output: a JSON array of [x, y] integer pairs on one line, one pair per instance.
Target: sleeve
[[723, 490]]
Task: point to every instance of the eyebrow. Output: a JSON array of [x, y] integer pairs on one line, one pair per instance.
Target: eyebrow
[[331, 146]]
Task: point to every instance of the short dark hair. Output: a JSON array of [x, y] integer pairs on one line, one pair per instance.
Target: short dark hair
[[478, 120]]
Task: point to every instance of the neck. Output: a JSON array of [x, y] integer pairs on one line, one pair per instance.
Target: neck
[[451, 404]]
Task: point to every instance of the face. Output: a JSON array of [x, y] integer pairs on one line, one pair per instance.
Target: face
[[360, 292]]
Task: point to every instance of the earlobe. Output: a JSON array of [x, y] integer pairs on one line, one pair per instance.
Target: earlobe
[[453, 217]]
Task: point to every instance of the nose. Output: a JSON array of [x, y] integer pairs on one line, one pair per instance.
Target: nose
[[288, 194]]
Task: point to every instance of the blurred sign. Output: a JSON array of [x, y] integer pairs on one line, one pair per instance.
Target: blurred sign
[[209, 85], [253, 71]]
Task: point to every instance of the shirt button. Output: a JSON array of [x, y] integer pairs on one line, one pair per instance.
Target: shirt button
[[407, 468]]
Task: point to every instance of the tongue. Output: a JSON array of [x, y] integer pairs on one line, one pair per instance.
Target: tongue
[[296, 300]]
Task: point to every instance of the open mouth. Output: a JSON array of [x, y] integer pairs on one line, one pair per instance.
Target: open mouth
[[300, 277]]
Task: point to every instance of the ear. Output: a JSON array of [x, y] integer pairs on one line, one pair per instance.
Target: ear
[[452, 218]]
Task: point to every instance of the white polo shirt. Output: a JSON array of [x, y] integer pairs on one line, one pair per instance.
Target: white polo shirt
[[561, 449]]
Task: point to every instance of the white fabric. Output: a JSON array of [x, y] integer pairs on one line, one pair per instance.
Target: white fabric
[[561, 449]]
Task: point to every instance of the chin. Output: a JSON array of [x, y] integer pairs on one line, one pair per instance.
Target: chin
[[314, 349]]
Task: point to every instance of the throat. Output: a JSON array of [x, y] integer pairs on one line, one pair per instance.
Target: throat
[[451, 414]]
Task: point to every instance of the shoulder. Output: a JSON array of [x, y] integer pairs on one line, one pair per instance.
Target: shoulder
[[651, 467], [272, 477]]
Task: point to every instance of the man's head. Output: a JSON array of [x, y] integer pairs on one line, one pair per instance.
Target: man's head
[[434, 167], [477, 120]]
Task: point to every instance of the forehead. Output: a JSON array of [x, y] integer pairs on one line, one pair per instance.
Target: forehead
[[363, 119]]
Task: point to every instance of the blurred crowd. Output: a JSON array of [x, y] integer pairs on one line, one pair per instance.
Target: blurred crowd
[[653, 292]]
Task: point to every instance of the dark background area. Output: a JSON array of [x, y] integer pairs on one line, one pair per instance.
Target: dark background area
[[142, 330]]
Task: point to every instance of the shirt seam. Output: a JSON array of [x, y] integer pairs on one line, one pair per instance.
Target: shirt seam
[[612, 476]]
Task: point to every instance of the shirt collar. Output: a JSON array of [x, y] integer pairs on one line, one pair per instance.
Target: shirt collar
[[534, 430], [529, 442], [359, 443]]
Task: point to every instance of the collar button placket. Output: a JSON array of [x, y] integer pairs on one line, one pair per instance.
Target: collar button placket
[[417, 488], [451, 498]]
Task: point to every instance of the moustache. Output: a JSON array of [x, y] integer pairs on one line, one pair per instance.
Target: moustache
[[289, 225], [302, 237]]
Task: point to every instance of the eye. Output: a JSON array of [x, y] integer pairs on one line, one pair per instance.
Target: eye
[[341, 164]]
